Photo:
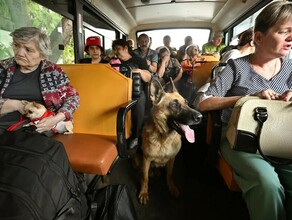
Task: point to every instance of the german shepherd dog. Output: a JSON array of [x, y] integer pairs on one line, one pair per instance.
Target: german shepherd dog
[[161, 136]]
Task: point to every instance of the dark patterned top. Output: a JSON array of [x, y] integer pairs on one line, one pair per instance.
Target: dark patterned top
[[239, 79], [57, 93]]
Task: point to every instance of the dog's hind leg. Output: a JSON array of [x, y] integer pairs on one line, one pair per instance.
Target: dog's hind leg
[[169, 172], [143, 195]]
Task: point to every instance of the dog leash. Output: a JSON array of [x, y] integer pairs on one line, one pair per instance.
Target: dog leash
[[17, 124], [35, 121]]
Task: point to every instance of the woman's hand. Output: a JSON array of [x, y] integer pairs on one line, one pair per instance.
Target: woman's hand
[[12, 105], [268, 94], [49, 123], [165, 59], [286, 96], [46, 124]]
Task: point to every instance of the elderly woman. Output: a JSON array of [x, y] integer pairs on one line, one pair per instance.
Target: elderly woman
[[266, 188], [30, 76], [192, 58]]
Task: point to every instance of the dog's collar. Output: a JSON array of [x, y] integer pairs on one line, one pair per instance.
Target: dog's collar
[[46, 114]]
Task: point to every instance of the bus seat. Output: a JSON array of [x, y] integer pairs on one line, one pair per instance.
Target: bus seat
[[213, 139], [201, 74], [211, 58], [102, 122]]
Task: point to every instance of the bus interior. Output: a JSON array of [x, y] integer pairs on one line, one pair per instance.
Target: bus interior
[[205, 196]]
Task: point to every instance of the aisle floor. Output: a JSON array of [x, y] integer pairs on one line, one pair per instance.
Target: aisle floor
[[203, 193]]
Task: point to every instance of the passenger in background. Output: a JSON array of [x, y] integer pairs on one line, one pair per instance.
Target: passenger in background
[[31, 77], [244, 47], [168, 66], [144, 51], [266, 73], [215, 46], [94, 49], [131, 43], [192, 58], [182, 49], [166, 43], [130, 62]]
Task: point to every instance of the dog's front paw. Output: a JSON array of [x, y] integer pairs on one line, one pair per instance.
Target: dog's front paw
[[143, 198]]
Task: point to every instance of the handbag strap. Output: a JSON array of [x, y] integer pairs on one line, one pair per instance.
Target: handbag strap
[[261, 115]]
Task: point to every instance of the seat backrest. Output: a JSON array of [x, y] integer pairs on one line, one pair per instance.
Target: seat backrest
[[102, 91], [210, 58], [202, 74], [217, 69]]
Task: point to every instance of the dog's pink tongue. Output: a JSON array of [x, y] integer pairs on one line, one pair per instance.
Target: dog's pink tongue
[[189, 133]]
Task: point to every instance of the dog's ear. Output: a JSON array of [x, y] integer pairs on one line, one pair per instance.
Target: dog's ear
[[156, 91], [37, 105], [171, 85]]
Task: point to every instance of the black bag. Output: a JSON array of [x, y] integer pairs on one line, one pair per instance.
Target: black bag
[[113, 203], [36, 180], [126, 70], [137, 87]]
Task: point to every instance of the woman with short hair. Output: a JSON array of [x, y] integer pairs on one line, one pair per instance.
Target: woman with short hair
[[30, 76], [266, 73]]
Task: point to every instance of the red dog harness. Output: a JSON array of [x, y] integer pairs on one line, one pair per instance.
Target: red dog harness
[[17, 124], [35, 121], [46, 114]]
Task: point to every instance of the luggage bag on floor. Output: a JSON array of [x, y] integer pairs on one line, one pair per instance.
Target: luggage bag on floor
[[113, 202], [36, 180]]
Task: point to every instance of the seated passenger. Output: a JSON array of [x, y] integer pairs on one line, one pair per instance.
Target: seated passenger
[[166, 43], [144, 51], [192, 58], [244, 47], [215, 46], [266, 188], [182, 49], [168, 66], [94, 49], [31, 77], [130, 62], [131, 43]]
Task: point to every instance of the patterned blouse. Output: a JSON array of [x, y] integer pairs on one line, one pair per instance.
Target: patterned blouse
[[239, 79], [58, 94]]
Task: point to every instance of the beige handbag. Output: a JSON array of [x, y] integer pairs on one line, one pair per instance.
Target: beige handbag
[[261, 125]]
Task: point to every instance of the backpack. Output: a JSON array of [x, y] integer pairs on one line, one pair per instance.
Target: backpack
[[113, 202], [36, 180]]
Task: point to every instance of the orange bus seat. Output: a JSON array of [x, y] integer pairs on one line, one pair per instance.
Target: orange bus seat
[[213, 139], [201, 74], [211, 58], [101, 123]]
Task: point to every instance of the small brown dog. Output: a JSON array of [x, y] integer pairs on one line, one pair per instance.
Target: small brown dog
[[161, 136], [35, 112]]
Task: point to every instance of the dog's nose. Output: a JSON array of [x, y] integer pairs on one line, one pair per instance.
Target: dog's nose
[[197, 117]]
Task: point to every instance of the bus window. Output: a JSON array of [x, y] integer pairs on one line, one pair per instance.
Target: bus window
[[28, 13], [200, 36]]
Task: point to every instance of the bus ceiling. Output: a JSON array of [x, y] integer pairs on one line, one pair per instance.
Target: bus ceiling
[[142, 14]]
